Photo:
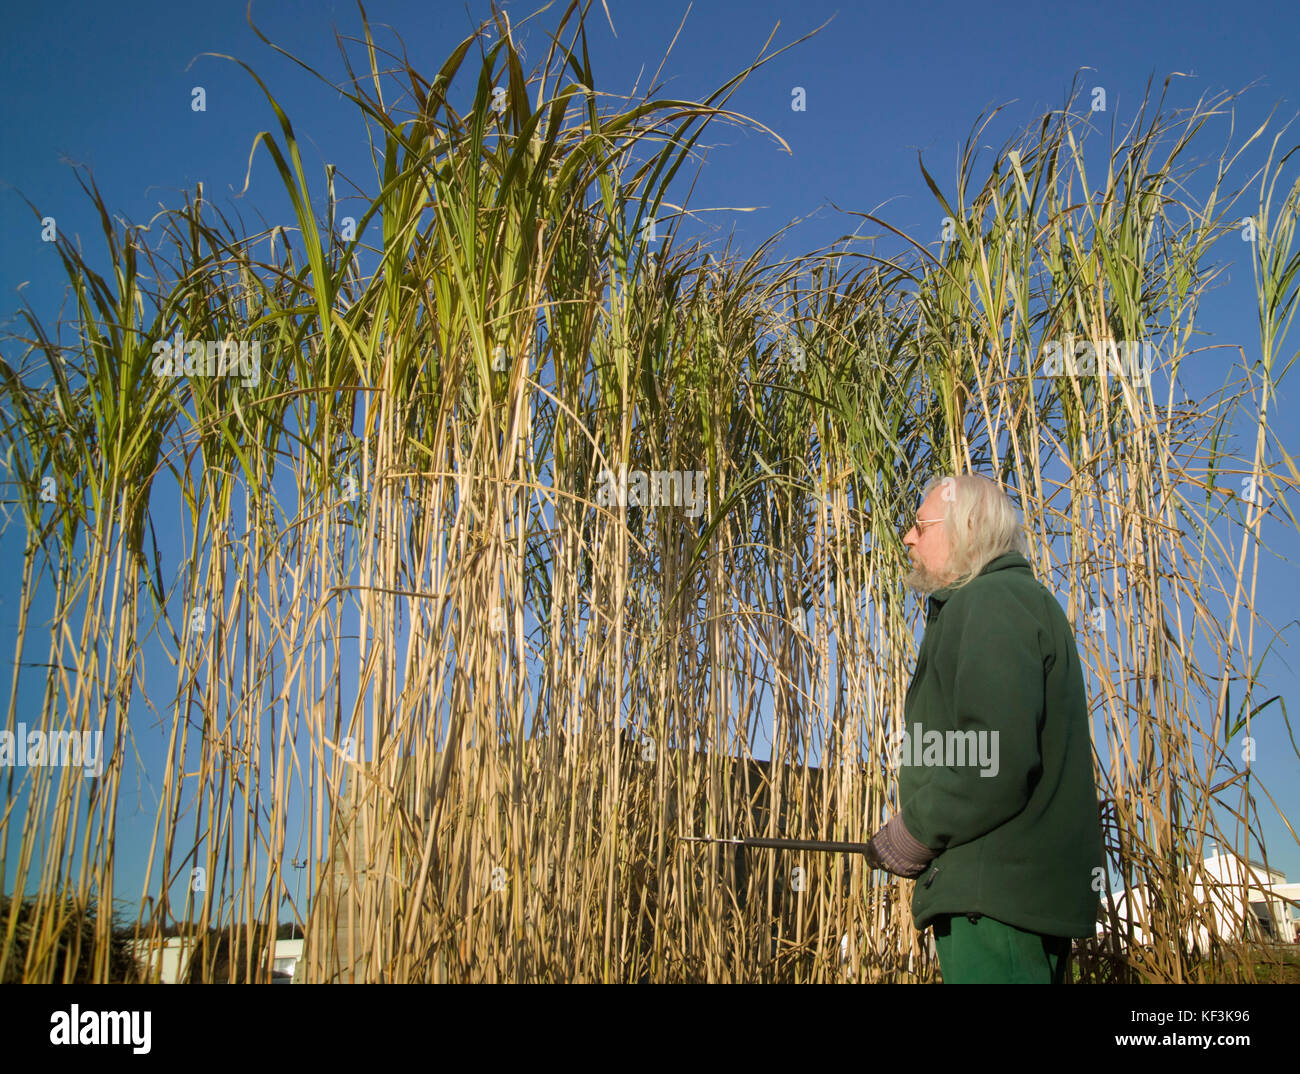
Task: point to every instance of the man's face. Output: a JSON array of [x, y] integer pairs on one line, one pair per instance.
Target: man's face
[[928, 546]]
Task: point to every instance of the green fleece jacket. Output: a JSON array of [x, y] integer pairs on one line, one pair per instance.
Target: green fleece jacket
[[1011, 811]]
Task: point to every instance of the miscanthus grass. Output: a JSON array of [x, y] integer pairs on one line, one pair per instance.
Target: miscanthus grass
[[393, 662]]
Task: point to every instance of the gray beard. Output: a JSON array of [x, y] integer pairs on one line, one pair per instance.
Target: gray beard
[[923, 580]]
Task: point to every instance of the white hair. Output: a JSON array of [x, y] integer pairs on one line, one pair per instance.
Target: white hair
[[981, 523]]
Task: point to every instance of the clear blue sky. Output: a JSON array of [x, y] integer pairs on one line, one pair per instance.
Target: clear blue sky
[[109, 86]]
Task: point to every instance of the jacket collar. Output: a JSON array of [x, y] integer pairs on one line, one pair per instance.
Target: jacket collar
[[1001, 563]]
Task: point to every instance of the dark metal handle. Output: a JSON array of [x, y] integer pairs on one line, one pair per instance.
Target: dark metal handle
[[784, 844]]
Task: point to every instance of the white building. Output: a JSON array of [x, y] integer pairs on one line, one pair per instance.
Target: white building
[[175, 953], [1247, 900], [285, 960]]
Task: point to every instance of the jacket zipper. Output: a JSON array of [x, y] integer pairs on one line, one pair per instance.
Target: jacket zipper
[[930, 878]]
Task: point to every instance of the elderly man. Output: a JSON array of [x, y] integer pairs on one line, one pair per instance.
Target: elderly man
[[1002, 832]]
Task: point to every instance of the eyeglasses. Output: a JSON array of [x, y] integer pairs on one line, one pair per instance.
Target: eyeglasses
[[920, 524]]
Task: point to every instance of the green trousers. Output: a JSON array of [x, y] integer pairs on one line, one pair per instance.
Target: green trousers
[[985, 951]]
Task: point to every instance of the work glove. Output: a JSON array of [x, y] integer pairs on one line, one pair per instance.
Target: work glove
[[894, 850]]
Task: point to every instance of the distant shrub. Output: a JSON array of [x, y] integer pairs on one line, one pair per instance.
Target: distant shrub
[[73, 933]]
